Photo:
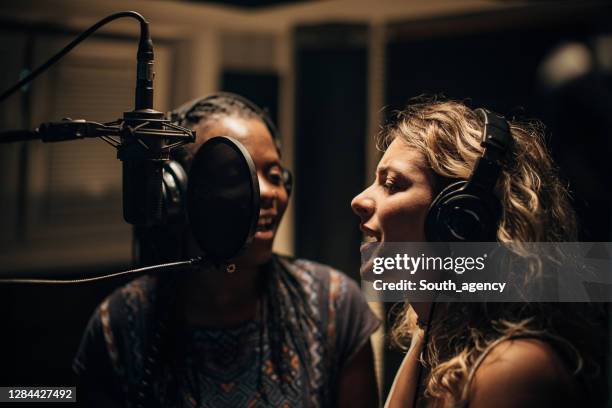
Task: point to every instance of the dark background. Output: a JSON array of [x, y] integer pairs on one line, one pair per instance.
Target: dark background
[[489, 60]]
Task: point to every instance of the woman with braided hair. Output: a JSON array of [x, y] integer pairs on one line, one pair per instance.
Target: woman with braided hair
[[276, 332], [503, 355]]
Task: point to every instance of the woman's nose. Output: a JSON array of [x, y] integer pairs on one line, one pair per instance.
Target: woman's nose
[[267, 192], [363, 206]]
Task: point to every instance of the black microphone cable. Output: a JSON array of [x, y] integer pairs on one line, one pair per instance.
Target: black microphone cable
[[44, 281], [145, 40], [418, 387]]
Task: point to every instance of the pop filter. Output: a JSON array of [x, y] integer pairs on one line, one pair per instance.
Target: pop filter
[[223, 198]]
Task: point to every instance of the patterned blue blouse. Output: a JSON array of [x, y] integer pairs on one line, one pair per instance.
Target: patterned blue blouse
[[136, 356]]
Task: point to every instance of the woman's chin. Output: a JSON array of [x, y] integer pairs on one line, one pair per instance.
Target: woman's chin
[[260, 250]]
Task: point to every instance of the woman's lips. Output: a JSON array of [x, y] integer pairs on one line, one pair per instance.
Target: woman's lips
[[265, 227], [368, 249], [368, 242], [364, 246], [369, 234]]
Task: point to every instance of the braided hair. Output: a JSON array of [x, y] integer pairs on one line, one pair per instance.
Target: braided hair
[[205, 112]]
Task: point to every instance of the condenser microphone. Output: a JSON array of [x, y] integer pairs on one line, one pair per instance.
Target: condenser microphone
[[143, 158]]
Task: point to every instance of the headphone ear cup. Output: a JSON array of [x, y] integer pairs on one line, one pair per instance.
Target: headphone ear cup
[[434, 230], [461, 215], [288, 181], [174, 193]]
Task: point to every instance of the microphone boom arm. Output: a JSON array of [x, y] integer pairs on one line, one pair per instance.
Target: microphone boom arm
[[50, 132]]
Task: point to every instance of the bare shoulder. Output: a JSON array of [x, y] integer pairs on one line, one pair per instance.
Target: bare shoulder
[[522, 373]]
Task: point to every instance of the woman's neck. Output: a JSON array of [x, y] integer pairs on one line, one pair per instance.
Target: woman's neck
[[211, 296]]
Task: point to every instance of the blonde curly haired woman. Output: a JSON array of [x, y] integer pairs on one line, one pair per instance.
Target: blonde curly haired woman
[[480, 354]]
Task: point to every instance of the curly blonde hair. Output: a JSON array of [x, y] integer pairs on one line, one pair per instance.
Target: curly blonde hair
[[535, 208]]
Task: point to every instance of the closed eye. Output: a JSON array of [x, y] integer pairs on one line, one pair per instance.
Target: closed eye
[[392, 180], [393, 184], [390, 187]]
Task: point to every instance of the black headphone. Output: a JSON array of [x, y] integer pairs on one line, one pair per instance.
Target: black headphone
[[174, 177], [467, 210]]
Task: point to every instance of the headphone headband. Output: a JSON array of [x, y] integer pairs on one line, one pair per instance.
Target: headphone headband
[[496, 141], [496, 136]]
